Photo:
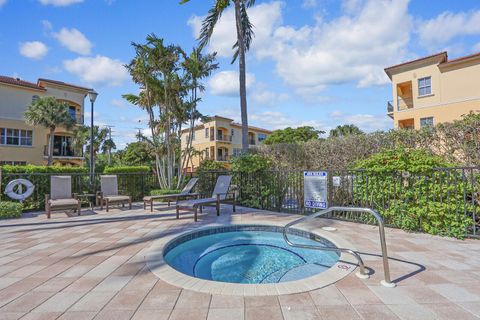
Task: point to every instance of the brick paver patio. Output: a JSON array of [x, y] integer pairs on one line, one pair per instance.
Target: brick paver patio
[[93, 267]]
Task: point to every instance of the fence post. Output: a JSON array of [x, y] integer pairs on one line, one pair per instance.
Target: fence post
[[1, 189]]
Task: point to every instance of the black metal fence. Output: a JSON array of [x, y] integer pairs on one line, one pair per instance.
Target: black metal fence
[[443, 201], [134, 184]]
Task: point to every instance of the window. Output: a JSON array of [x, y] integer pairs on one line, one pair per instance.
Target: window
[[261, 137], [424, 86], [13, 163], [25, 137], [206, 132], [237, 152], [232, 132], [424, 122], [207, 154], [15, 137], [73, 112]]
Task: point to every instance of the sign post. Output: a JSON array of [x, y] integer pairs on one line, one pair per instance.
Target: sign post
[[315, 187]]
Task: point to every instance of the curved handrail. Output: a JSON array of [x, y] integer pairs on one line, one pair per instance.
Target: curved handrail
[[381, 226]]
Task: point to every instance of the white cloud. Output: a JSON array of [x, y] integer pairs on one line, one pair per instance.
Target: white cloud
[[274, 120], [447, 25], [74, 41], [353, 47], [33, 49], [2, 2], [308, 4], [98, 70], [264, 17], [366, 122], [268, 98], [59, 3], [47, 25], [226, 83]]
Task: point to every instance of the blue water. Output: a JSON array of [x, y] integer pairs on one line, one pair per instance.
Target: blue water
[[249, 257]]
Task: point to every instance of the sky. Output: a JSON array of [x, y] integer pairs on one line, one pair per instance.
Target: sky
[[313, 62]]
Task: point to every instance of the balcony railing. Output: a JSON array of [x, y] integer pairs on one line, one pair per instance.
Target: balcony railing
[[404, 104], [63, 153], [224, 138], [79, 119], [389, 106], [223, 158]]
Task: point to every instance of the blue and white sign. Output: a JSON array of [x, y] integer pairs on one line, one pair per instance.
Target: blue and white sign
[[315, 184]]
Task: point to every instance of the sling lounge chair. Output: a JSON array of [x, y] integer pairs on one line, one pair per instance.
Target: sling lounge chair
[[219, 195], [61, 197], [185, 193], [109, 193]]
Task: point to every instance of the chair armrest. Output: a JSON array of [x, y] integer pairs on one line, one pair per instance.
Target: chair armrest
[[75, 196]]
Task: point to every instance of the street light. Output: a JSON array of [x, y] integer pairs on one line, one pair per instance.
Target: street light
[[92, 95]]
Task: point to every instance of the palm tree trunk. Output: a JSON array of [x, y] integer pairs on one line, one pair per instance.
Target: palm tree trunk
[[50, 147], [242, 76]]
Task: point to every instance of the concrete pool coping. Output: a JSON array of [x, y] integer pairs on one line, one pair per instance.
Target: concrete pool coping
[[342, 268]]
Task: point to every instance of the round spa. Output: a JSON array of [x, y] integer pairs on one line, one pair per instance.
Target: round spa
[[248, 254]]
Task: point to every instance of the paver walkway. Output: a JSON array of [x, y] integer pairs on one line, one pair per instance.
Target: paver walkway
[[93, 267]]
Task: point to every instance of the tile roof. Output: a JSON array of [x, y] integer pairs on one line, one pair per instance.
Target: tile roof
[[21, 83], [63, 84]]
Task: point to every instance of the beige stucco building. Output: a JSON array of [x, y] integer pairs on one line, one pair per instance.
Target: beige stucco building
[[434, 89], [24, 144], [219, 140]]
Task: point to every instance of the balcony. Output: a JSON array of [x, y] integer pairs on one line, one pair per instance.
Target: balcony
[[223, 158], [67, 153], [79, 119], [224, 138], [390, 109], [252, 142]]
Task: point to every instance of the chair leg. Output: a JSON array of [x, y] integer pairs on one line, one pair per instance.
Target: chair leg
[[201, 209], [234, 204], [195, 214], [123, 204], [218, 208], [101, 204], [49, 212], [144, 205], [178, 212], [151, 205], [106, 203], [78, 208], [130, 203]]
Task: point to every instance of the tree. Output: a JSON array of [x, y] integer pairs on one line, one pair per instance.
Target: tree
[[101, 140], [169, 81], [345, 130], [293, 135], [243, 40], [51, 114], [138, 154]]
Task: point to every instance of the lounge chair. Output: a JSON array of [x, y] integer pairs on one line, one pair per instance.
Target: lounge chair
[[61, 197], [109, 193], [219, 195], [185, 193]]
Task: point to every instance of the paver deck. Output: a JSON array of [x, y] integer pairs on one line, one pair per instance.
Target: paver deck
[[93, 267]]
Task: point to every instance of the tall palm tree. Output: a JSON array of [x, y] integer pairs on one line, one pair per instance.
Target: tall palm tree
[[345, 130], [244, 39], [51, 114]]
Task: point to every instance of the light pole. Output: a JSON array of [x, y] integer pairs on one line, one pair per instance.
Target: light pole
[[92, 95]]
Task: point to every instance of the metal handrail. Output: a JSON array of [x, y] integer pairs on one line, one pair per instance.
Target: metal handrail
[[381, 226]]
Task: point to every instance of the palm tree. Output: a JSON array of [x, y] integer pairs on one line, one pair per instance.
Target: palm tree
[[49, 113], [345, 130], [244, 38]]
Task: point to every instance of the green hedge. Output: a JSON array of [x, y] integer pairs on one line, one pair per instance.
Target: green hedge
[[9, 210], [127, 169], [42, 169], [161, 192]]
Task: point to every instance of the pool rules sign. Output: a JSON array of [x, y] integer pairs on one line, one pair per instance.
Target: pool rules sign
[[315, 189]]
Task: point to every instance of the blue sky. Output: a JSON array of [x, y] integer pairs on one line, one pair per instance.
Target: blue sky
[[313, 62]]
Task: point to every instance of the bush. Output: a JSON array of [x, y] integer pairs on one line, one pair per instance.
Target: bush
[[42, 169], [9, 210], [161, 192], [405, 187], [127, 169]]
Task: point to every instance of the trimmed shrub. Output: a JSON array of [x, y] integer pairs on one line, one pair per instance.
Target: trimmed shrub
[[127, 169], [405, 187], [10, 210], [42, 169], [161, 192]]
